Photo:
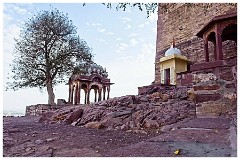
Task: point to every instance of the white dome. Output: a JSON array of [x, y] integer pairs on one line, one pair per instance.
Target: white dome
[[172, 50]]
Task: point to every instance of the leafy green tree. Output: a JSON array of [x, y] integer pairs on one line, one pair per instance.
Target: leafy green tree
[[46, 52]]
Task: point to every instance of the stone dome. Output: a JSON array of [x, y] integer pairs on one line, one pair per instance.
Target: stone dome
[[96, 69], [172, 50], [88, 69]]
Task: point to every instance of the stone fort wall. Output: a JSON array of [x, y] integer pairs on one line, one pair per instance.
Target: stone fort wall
[[183, 21]]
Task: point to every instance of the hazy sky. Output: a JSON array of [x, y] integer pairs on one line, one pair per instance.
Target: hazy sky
[[123, 42]]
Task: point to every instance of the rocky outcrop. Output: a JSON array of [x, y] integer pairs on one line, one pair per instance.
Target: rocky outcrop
[[126, 113]]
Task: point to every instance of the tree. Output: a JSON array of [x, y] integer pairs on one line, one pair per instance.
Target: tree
[[149, 7], [47, 51], [153, 7]]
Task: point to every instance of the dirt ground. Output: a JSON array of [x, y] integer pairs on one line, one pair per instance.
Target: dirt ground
[[25, 137]]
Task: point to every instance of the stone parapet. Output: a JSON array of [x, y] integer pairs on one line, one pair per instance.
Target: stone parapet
[[39, 109]]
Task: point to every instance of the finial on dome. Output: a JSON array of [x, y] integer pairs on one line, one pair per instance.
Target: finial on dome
[[172, 50], [173, 43]]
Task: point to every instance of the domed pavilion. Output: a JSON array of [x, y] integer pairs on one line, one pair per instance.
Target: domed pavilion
[[89, 76], [172, 63]]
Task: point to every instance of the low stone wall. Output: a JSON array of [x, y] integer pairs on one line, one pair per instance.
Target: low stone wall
[[39, 109]]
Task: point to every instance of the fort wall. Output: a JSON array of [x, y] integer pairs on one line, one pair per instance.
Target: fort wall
[[183, 21]]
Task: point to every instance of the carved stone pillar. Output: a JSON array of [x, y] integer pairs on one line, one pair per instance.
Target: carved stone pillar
[[76, 93], [104, 92], [85, 99], [88, 96], [79, 92], [95, 97], [100, 94], [219, 46], [108, 90], [71, 96], [70, 93]]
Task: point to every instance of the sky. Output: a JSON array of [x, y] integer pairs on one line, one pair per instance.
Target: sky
[[123, 42]]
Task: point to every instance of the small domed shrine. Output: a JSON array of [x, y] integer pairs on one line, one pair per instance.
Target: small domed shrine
[[171, 64], [88, 76]]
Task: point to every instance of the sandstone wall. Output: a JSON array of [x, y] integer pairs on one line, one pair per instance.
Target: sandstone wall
[[39, 109], [183, 22]]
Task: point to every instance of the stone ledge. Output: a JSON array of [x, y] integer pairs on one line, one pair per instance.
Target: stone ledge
[[207, 97], [208, 87], [206, 65]]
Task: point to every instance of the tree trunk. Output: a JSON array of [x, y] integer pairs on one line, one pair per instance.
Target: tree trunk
[[51, 96]]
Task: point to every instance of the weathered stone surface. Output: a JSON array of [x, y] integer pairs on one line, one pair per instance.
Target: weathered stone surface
[[226, 74], [46, 116], [108, 121], [39, 109], [191, 95], [231, 85], [212, 110], [139, 131], [14, 130], [185, 79], [96, 125], [151, 124], [231, 96], [127, 112], [75, 152], [39, 141], [165, 97], [75, 115], [204, 77]]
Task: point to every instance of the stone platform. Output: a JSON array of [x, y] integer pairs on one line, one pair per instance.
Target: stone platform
[[200, 137]]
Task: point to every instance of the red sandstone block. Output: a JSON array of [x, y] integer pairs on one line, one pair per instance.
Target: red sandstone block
[[231, 85], [206, 65], [187, 79], [207, 97], [226, 75], [213, 87]]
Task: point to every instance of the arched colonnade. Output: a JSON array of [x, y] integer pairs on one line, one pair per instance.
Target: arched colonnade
[[101, 87]]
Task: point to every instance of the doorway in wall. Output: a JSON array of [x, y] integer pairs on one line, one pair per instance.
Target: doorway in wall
[[167, 76]]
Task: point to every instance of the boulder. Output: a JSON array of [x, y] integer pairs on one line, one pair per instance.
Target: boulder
[[109, 121], [46, 116], [156, 95], [75, 115], [151, 124], [95, 125], [165, 97]]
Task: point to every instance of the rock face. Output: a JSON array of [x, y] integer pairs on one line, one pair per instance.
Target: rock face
[[126, 113]]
